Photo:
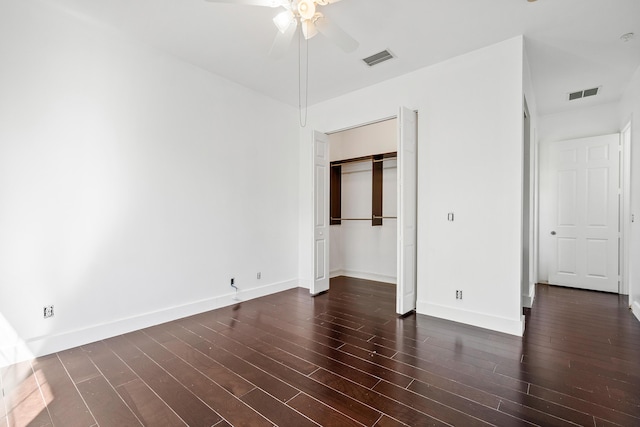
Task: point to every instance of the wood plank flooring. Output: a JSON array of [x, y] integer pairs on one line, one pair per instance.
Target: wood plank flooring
[[344, 359]]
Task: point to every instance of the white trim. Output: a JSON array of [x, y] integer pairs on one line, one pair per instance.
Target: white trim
[[361, 125], [536, 214], [364, 275], [14, 354], [481, 320], [304, 283], [527, 300], [48, 344], [625, 210], [635, 309]]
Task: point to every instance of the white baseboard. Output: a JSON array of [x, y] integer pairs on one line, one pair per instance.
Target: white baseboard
[[527, 300], [635, 309], [305, 283], [336, 273], [48, 344], [481, 320], [364, 275]]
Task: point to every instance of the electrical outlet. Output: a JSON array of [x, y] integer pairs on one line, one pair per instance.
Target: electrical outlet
[[48, 311], [458, 294], [233, 281], [259, 275]]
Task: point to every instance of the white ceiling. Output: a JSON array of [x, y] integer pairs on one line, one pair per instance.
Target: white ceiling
[[571, 44]]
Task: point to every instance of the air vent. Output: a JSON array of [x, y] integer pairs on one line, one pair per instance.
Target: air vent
[[379, 57], [590, 92], [575, 95], [583, 93]]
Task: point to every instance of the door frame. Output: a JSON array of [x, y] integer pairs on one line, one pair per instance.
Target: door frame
[[625, 209], [396, 116], [528, 211]]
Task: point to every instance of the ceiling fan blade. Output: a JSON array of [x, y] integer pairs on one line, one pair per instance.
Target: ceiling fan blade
[[282, 42], [267, 3], [337, 35]]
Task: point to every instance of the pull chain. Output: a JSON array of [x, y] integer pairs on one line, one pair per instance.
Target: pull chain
[[303, 122]]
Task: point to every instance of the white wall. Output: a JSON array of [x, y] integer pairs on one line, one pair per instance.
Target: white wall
[[375, 138], [359, 249], [132, 188], [630, 111], [581, 123], [469, 162]]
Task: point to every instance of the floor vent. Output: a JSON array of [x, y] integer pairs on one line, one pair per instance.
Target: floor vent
[[583, 93], [379, 57]]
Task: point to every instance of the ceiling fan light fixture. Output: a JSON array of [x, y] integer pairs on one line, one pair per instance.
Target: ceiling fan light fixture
[[306, 9], [309, 29], [284, 20]]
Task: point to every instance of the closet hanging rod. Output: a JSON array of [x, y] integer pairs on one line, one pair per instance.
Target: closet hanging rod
[[384, 217], [347, 162]]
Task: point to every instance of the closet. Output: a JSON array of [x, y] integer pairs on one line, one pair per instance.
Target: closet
[[377, 188], [363, 210]]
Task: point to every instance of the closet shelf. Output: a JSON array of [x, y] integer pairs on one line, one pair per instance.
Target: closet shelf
[[375, 158]]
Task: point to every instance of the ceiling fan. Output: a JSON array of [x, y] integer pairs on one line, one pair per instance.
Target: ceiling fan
[[304, 13]]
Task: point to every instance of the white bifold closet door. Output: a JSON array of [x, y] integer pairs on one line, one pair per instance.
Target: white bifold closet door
[[407, 211], [321, 246]]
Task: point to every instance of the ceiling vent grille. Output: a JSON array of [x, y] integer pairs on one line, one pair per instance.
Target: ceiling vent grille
[[583, 93], [379, 57]]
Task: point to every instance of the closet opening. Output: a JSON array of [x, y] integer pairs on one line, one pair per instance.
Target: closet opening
[[364, 202]]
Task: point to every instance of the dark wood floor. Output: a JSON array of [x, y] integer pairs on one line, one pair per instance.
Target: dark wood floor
[[344, 359]]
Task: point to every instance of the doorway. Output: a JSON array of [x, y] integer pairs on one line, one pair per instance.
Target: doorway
[[406, 131], [364, 176], [581, 208]]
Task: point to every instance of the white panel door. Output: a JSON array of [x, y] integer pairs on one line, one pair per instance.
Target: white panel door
[[585, 205], [407, 193], [320, 213]]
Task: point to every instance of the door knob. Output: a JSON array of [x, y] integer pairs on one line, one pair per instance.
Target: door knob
[[553, 233]]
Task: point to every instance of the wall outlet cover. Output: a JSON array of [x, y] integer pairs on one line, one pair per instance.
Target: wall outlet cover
[[48, 311]]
